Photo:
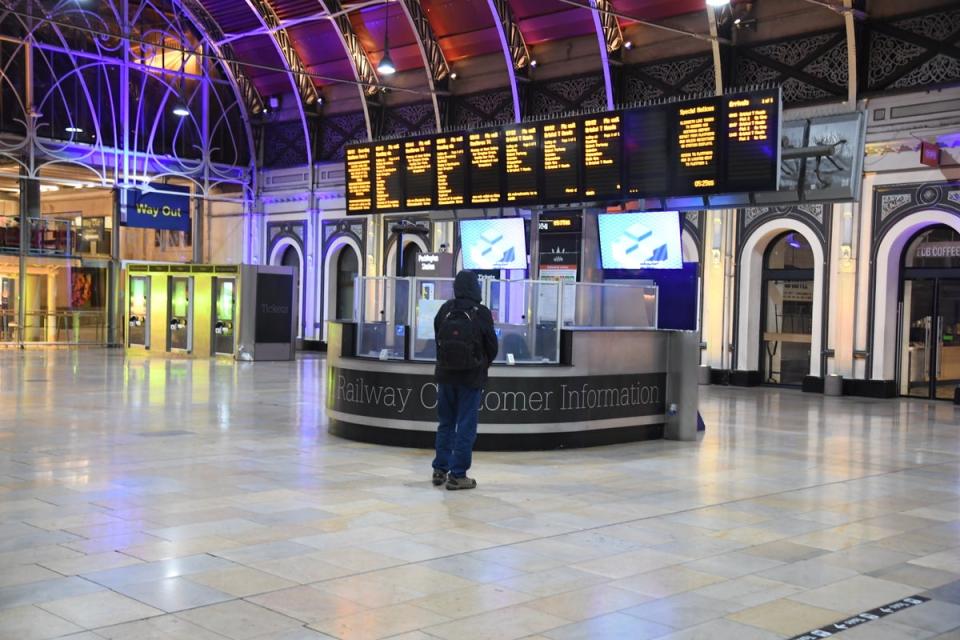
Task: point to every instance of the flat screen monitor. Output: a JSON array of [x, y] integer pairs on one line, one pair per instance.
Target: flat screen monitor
[[647, 240], [493, 243]]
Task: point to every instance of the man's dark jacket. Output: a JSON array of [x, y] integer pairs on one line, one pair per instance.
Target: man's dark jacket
[[466, 289]]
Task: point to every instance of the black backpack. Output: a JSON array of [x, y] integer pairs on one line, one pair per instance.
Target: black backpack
[[459, 346]]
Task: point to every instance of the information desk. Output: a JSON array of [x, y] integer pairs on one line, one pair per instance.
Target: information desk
[[611, 386]]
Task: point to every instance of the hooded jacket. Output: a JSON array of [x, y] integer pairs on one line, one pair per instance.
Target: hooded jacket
[[466, 291]]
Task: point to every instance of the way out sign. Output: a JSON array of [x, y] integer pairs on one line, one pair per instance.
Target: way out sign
[[156, 210]]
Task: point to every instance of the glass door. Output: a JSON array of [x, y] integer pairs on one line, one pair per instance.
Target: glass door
[[946, 375], [224, 315], [916, 359]]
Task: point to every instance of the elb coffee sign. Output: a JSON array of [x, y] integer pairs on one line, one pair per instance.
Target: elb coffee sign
[[159, 210]]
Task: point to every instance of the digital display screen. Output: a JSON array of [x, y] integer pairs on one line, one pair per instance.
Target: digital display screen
[[753, 141], [602, 140], [647, 240], [451, 154], [687, 150], [388, 183], [485, 166], [521, 145], [359, 186], [419, 175], [697, 148], [493, 243], [561, 157], [646, 147]]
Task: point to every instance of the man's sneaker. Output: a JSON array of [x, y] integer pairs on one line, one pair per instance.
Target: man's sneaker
[[455, 484], [439, 477]]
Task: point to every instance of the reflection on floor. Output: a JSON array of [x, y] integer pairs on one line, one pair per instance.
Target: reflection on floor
[[200, 500]]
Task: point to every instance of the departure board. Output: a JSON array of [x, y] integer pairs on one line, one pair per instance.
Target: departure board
[[753, 141], [561, 159], [521, 150], [602, 140], [646, 147], [485, 167], [359, 176], [419, 177], [697, 147], [451, 159], [388, 183], [708, 146]]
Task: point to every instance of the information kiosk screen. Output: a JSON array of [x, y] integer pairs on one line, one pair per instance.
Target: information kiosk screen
[[493, 243], [647, 240]]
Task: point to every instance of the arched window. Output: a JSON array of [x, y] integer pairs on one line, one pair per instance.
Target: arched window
[[789, 251], [937, 247]]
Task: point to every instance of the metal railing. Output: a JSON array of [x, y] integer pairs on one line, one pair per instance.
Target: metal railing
[[74, 327], [46, 237]]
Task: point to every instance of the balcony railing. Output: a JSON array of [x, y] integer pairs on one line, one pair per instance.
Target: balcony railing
[[47, 237]]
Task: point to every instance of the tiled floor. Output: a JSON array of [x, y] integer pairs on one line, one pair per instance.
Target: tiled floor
[[158, 499]]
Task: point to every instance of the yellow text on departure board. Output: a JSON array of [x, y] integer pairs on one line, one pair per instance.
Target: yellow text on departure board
[[521, 146], [450, 159], [746, 124], [600, 136], [419, 162], [698, 135], [359, 182], [388, 166], [559, 145], [485, 154]]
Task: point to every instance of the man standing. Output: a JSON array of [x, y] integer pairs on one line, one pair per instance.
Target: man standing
[[466, 345]]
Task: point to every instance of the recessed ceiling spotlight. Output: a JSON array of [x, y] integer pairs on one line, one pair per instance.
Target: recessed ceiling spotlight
[[73, 129], [453, 75], [717, 3], [627, 45], [533, 63]]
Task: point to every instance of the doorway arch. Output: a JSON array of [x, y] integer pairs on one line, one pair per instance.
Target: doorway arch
[[786, 315], [288, 253], [338, 248], [889, 253], [408, 240], [751, 291]]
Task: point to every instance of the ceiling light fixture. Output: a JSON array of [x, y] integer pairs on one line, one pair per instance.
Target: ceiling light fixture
[[533, 63], [717, 3], [386, 66], [73, 129], [180, 110]]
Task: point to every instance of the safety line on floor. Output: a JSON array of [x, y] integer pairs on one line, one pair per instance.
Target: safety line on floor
[[833, 629]]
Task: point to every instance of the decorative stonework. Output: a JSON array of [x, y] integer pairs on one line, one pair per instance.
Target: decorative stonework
[[889, 203], [813, 210], [809, 67], [751, 214], [919, 50]]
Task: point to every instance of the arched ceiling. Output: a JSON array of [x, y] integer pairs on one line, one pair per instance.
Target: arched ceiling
[[466, 31]]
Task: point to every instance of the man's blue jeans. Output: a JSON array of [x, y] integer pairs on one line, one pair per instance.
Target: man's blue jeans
[[458, 408]]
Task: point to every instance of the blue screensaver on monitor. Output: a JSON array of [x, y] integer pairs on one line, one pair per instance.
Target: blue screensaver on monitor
[[493, 243], [646, 240]]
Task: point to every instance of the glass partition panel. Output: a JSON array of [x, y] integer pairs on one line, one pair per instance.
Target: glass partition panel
[[610, 306], [525, 318], [383, 315], [429, 296]]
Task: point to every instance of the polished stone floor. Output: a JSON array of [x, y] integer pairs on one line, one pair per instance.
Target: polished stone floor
[[156, 499]]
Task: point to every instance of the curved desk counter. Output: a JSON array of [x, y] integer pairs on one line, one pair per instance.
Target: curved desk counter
[[611, 386]]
